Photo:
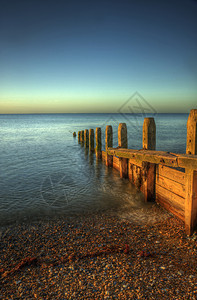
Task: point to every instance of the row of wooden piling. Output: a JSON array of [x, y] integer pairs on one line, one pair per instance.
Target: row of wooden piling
[[143, 167], [86, 137]]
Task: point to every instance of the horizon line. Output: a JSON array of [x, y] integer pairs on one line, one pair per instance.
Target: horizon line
[[137, 113]]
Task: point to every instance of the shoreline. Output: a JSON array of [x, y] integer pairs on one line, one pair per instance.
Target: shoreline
[[98, 257]]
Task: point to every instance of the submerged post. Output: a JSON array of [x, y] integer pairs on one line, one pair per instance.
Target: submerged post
[[149, 134], [98, 143], [86, 138], [91, 140], [109, 143], [122, 143], [82, 137], [192, 133], [190, 200], [79, 136]]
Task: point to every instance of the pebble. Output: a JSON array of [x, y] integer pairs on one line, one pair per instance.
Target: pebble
[[73, 261]]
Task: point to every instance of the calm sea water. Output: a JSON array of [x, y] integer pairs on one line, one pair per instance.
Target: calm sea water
[[46, 173]]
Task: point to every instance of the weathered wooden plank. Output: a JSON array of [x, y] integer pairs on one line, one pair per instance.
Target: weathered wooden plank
[[187, 161], [116, 163], [169, 207], [171, 197], [170, 173], [171, 185], [158, 157], [146, 155]]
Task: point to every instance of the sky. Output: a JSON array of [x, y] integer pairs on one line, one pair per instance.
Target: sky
[[95, 56]]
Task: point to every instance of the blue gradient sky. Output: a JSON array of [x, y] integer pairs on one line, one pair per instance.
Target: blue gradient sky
[[91, 56]]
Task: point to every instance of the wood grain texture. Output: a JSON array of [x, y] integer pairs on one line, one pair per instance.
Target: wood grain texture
[[170, 173], [170, 201], [165, 204], [171, 197], [171, 185]]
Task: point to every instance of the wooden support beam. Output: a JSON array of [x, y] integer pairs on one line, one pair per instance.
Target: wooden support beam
[[187, 161], [86, 138], [158, 157], [98, 143], [79, 136], [192, 133], [190, 200], [149, 134], [109, 143], [91, 140]]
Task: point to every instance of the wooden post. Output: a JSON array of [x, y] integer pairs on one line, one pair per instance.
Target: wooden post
[[122, 143], [109, 143], [192, 133], [98, 143], [86, 138], [82, 137], [91, 140], [149, 134], [148, 181], [190, 200], [79, 136], [148, 169], [123, 165], [122, 135]]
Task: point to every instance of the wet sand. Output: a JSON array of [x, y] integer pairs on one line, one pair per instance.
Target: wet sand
[[98, 257]]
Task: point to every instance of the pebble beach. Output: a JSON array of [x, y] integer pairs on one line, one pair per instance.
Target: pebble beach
[[98, 257]]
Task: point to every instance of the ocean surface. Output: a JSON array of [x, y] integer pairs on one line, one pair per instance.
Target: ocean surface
[[45, 173]]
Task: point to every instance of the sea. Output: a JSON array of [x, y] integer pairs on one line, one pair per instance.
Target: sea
[[45, 173]]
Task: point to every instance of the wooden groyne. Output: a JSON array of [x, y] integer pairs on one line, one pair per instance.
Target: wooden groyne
[[169, 179]]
